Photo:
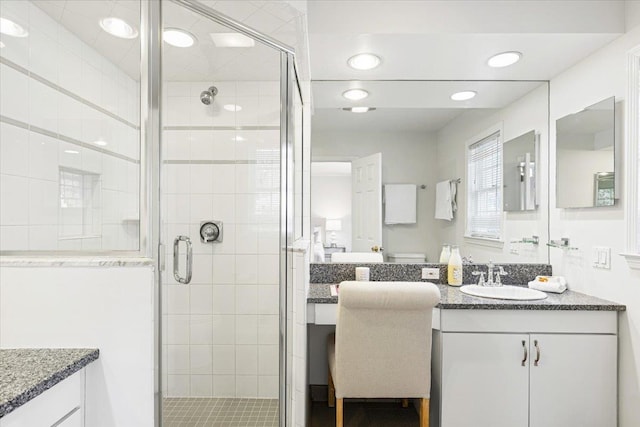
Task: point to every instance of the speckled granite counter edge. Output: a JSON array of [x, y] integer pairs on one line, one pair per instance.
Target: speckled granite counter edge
[[319, 294], [36, 261], [27, 395]]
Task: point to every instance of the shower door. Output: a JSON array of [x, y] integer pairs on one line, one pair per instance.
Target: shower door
[[223, 222]]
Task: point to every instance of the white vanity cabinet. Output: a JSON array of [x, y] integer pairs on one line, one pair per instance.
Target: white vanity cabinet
[[60, 406], [507, 368]]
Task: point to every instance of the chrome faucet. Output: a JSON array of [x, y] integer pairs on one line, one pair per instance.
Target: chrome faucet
[[499, 273], [490, 268]]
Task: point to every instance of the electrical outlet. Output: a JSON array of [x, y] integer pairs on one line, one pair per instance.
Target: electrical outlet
[[431, 273]]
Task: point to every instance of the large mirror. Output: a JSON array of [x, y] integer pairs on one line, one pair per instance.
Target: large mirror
[[586, 138], [422, 136], [519, 162]]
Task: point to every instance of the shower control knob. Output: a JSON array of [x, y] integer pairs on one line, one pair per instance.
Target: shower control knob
[[211, 231]]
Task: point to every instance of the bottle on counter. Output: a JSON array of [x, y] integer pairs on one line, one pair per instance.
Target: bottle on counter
[[445, 254], [454, 269]]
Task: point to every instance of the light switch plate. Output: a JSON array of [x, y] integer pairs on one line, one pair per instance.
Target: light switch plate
[[602, 257], [430, 273]]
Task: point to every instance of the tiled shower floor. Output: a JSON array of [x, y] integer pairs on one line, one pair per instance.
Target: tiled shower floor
[[218, 412]]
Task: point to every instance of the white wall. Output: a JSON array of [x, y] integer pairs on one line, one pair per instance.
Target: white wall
[[45, 128], [599, 76], [407, 158], [526, 114], [106, 308]]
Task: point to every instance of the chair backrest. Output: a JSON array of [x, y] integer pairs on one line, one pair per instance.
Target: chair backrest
[[383, 339], [348, 257]]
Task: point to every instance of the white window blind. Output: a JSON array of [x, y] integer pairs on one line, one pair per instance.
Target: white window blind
[[484, 192]]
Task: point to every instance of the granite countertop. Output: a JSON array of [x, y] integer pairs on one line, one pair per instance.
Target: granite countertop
[[452, 298], [27, 372]]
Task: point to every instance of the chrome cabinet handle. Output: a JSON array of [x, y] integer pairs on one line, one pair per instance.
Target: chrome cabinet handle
[[176, 254], [526, 353], [535, 362]]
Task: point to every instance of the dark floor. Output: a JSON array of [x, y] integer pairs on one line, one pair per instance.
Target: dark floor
[[365, 414]]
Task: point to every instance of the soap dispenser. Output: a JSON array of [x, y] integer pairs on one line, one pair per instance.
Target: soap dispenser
[[454, 269], [445, 254]]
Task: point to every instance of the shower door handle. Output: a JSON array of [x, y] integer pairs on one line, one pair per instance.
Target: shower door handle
[[176, 256]]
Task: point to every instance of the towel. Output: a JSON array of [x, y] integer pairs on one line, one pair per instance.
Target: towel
[[555, 284], [444, 200], [400, 204]]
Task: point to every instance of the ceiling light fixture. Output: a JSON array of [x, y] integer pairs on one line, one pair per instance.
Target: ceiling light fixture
[[464, 95], [504, 59], [100, 142], [359, 109], [238, 138], [12, 29], [232, 40], [118, 27], [355, 94], [71, 152], [364, 61], [232, 107], [178, 38]]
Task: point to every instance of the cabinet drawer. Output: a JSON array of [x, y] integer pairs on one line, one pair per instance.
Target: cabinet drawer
[[50, 407]]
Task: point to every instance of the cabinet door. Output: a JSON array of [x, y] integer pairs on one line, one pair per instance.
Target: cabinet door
[[574, 381], [484, 382]]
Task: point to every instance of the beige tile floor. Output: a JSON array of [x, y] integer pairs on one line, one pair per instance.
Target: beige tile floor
[[218, 412]]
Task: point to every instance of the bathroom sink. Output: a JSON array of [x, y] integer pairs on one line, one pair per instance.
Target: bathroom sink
[[503, 292]]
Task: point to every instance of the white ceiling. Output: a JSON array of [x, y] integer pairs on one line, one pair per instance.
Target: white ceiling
[[443, 40]]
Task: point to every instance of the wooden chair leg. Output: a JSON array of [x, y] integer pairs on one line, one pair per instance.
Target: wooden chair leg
[[331, 398], [405, 403], [340, 412], [424, 413]]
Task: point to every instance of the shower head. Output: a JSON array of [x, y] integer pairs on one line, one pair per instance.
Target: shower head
[[206, 96]]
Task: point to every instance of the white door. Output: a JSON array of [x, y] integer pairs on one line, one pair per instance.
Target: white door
[[574, 381], [485, 380], [366, 197]]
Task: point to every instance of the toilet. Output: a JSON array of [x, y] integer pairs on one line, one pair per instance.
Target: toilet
[[408, 258]]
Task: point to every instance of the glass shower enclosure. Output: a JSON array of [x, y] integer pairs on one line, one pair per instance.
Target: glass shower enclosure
[[226, 219]]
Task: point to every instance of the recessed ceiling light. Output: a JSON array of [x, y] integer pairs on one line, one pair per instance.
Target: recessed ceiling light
[[364, 61], [359, 109], [178, 38], [463, 96], [12, 29], [231, 40], [232, 107], [238, 138], [118, 27], [100, 142], [71, 152], [504, 59], [355, 94]]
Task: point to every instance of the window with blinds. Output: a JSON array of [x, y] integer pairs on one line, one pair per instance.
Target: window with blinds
[[484, 192]]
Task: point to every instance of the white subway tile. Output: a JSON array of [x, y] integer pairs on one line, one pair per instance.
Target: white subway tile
[[43, 106], [268, 269], [178, 386], [178, 329], [43, 55], [268, 329], [268, 387], [246, 359], [268, 359], [42, 151], [201, 327], [201, 385], [177, 359], [224, 208], [247, 238], [224, 359], [14, 200], [224, 386], [44, 203], [246, 386], [201, 207], [246, 299], [176, 145], [224, 299], [177, 178], [224, 271], [69, 70], [14, 101], [268, 299], [223, 177], [247, 269], [178, 299], [202, 269], [14, 150], [201, 297], [14, 237], [178, 208], [224, 329], [247, 329], [201, 359], [201, 179], [43, 238]]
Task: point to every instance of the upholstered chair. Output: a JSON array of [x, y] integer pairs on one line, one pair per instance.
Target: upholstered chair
[[382, 344], [366, 257]]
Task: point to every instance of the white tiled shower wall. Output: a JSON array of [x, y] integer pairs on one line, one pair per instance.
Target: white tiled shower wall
[[40, 123], [221, 330]]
